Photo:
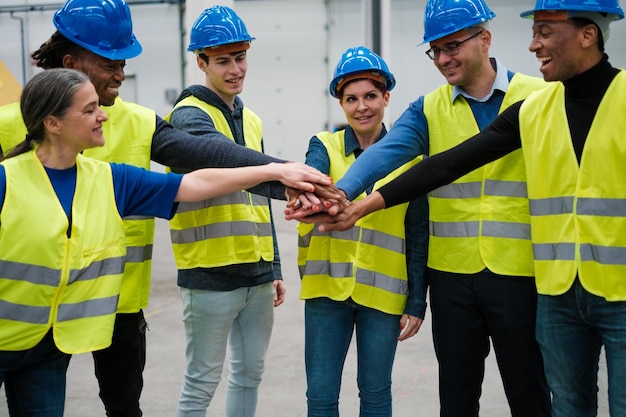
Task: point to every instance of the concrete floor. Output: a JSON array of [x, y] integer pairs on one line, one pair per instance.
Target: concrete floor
[[283, 389]]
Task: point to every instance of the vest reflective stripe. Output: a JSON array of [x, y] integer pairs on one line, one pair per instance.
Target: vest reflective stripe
[[28, 314], [137, 218], [90, 308], [366, 262], [49, 280], [506, 188], [456, 190], [333, 270], [578, 210], [504, 229], [34, 274], [219, 230], [385, 282], [482, 219], [554, 251], [231, 229], [138, 254], [110, 266], [128, 134], [240, 198]]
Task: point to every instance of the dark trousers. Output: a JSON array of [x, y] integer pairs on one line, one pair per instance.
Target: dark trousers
[[119, 368], [468, 311]]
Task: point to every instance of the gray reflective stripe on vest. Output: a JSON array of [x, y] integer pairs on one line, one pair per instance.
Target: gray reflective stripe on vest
[[210, 231], [137, 218], [350, 234], [458, 190], [34, 274], [225, 200], [89, 308], [385, 282], [567, 252], [334, 270], [471, 229], [109, 266], [506, 188], [551, 206], [603, 254], [506, 229], [26, 314], [138, 253], [610, 207], [554, 251], [456, 229], [383, 240]]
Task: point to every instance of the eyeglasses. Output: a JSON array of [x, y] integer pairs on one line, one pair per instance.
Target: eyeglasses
[[450, 49]]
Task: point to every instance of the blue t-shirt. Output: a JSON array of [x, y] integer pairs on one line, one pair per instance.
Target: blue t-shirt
[[138, 192]]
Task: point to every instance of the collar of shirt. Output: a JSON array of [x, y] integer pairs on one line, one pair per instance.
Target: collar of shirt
[[501, 83], [351, 144]]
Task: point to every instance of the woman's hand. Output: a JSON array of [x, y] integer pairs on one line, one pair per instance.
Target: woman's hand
[[409, 326]]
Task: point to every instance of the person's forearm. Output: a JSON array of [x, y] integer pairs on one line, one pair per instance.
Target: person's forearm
[[177, 149], [497, 140], [212, 182]]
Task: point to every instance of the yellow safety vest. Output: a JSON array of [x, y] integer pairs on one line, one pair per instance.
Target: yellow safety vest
[[48, 280], [12, 128], [480, 220], [578, 212], [128, 139], [228, 230], [366, 262]]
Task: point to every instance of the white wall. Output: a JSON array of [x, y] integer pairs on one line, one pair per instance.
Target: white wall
[[298, 43]]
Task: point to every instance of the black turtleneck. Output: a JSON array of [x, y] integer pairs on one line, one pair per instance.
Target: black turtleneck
[[583, 94]]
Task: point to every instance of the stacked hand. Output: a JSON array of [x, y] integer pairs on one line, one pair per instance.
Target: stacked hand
[[324, 198], [322, 206]]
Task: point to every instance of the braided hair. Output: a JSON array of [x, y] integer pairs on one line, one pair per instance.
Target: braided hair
[[50, 54]]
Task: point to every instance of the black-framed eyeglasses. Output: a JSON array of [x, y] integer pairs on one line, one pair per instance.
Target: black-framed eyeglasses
[[450, 49]]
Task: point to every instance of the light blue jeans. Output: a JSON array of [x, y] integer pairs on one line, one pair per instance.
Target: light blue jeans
[[571, 330], [328, 331], [243, 318]]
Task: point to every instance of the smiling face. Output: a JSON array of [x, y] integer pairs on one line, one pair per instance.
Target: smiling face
[[562, 48], [364, 105], [105, 74], [80, 127], [465, 67], [225, 74]]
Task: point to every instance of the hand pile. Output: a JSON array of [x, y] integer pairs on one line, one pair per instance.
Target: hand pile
[[302, 205]]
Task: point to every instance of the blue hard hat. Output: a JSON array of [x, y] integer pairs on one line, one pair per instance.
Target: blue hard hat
[[600, 12], [600, 6], [217, 25], [103, 27], [445, 17], [360, 59]]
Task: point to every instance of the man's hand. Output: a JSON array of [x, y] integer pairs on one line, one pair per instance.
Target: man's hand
[[302, 177], [279, 292], [345, 218], [324, 198]]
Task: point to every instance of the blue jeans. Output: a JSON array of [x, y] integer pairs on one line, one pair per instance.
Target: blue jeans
[[328, 331], [571, 330], [34, 379], [243, 319]]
